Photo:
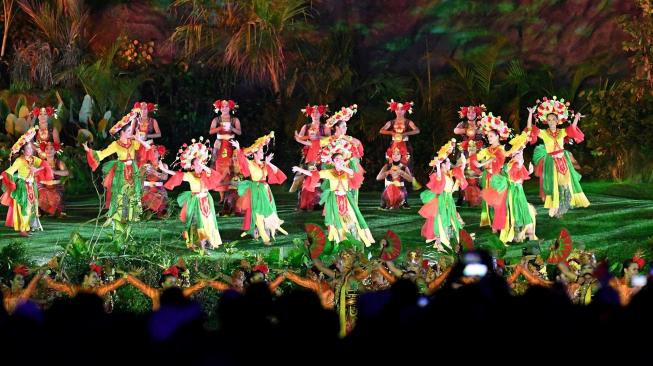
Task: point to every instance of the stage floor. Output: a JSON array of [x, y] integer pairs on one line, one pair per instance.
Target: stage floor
[[619, 220]]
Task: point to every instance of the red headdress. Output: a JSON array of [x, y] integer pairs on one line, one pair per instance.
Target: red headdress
[[95, 268], [309, 109], [218, 104], [161, 150], [397, 147], [406, 106], [479, 109], [263, 268], [21, 270], [172, 271], [151, 107], [49, 111], [639, 260]]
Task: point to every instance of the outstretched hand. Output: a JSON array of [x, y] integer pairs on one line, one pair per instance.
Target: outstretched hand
[[235, 144], [85, 146], [531, 110]]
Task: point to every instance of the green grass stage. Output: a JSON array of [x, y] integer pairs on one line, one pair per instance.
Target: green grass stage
[[619, 220]]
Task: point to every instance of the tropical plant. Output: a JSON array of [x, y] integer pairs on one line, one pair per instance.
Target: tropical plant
[[62, 25], [7, 18], [640, 46], [252, 36]]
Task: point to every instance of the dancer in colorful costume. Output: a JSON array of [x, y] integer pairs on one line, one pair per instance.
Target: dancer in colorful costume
[[338, 122], [261, 217], [341, 213], [471, 131], [310, 136], [559, 181], [146, 129], [155, 196], [46, 134], [51, 191], [520, 221], [439, 210], [395, 174], [20, 190], [493, 179], [91, 284], [17, 294], [226, 128], [122, 179], [400, 128], [197, 208]]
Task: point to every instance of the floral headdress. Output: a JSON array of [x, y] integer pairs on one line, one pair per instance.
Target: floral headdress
[[309, 109], [151, 107], [218, 104], [196, 150], [260, 143], [479, 109], [397, 147], [557, 106], [344, 114], [406, 106], [27, 137], [639, 259], [340, 146], [49, 111], [492, 123], [444, 152], [94, 267], [124, 121], [518, 143], [21, 270], [172, 271], [463, 146]]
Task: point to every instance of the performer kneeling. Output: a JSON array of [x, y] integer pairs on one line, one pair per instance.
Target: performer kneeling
[[51, 191], [395, 173]]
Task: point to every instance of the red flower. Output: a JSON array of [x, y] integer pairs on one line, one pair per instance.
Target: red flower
[[263, 268], [321, 109], [639, 260], [425, 264], [43, 145], [57, 146], [151, 107], [501, 262], [393, 106], [161, 150], [406, 106], [36, 112], [96, 268], [308, 110], [172, 271], [49, 111], [21, 270]]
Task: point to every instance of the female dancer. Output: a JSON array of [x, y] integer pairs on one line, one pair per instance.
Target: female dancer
[[21, 193], [122, 179], [395, 174], [310, 136], [559, 181], [226, 128], [341, 213], [439, 210], [197, 208], [146, 129], [261, 217]]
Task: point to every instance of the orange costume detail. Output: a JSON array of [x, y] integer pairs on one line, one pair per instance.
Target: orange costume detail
[[12, 300]]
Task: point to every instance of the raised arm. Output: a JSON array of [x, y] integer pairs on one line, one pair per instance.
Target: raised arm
[[460, 129], [148, 291], [277, 281], [111, 286], [188, 291], [437, 283], [62, 287], [324, 269], [297, 169], [301, 281], [31, 287], [529, 121], [220, 286]]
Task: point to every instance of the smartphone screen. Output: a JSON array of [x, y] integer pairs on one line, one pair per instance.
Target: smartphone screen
[[638, 281], [475, 270]]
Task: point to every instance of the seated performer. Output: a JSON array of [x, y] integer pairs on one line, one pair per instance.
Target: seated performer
[[51, 191], [395, 174], [155, 196]]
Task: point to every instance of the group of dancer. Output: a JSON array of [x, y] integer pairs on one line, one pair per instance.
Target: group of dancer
[[492, 175], [328, 177]]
